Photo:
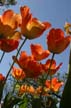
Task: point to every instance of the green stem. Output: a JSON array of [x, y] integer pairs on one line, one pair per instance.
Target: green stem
[[48, 74], [54, 94], [2, 56], [50, 64], [16, 57]]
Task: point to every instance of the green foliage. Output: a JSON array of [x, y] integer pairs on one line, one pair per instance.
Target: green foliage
[[7, 2], [24, 103], [10, 101]]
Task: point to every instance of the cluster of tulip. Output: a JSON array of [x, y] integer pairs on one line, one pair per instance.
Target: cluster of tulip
[[32, 79]]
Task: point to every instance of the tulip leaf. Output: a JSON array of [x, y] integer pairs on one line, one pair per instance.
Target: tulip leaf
[[24, 103]]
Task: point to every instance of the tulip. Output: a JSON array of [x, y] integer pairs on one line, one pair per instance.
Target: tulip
[[54, 84], [67, 28], [31, 27], [2, 78], [31, 67], [56, 41], [18, 73], [26, 89], [38, 52], [10, 18], [53, 68]]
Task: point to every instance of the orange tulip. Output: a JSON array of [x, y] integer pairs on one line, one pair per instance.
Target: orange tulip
[[34, 69], [24, 59], [31, 67], [23, 89], [31, 27], [2, 78], [38, 90], [9, 39], [67, 28], [31, 89], [54, 84], [26, 89], [8, 45], [53, 68], [11, 19], [18, 73], [38, 52], [56, 41], [42, 90]]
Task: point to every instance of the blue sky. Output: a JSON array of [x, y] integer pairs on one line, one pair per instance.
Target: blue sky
[[57, 12]]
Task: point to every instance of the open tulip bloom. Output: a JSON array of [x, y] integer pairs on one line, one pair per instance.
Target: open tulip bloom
[[31, 27]]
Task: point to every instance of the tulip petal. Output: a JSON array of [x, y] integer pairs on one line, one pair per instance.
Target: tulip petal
[[38, 52], [8, 45], [10, 18]]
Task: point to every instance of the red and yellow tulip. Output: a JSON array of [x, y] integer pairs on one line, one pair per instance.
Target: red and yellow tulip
[[53, 68], [56, 41], [31, 27], [54, 84], [18, 73]]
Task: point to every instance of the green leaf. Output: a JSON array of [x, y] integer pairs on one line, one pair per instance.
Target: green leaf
[[24, 103]]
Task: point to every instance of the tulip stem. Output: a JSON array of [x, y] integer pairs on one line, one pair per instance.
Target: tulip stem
[[58, 96], [16, 57], [50, 64], [50, 69], [2, 56]]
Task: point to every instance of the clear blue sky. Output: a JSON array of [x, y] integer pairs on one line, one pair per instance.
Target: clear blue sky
[[57, 12]]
